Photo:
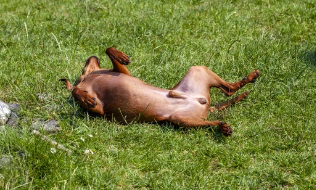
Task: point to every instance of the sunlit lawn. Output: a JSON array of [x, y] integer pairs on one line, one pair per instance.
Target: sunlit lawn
[[273, 144]]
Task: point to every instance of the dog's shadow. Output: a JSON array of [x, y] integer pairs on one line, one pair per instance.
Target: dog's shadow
[[211, 131], [309, 58]]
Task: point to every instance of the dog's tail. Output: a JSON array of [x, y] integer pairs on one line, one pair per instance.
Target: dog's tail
[[228, 103], [68, 85]]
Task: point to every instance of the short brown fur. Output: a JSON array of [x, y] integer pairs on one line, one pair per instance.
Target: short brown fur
[[116, 94]]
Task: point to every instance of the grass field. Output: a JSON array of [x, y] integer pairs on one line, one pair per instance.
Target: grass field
[[273, 144]]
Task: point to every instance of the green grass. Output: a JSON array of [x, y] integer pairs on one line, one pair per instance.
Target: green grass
[[273, 144]]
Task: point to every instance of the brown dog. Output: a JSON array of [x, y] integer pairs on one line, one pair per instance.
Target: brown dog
[[116, 94]]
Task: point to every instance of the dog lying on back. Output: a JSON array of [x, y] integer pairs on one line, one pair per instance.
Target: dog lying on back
[[116, 94]]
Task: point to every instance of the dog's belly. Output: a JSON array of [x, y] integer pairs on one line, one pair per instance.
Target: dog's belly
[[127, 99], [151, 109], [150, 105]]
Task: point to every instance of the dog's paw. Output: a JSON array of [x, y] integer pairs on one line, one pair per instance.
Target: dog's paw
[[88, 101], [124, 59], [91, 103], [84, 98], [225, 129], [121, 57], [253, 76]]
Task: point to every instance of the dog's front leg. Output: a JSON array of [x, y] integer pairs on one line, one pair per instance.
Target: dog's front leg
[[189, 122], [119, 60], [92, 104]]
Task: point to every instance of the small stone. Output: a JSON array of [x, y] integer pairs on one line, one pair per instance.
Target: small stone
[[50, 126], [21, 154], [14, 107], [5, 161], [42, 97], [4, 112], [13, 119]]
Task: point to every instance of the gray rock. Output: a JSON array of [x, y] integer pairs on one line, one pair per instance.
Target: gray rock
[[9, 113], [50, 126], [5, 161], [13, 119], [14, 107], [4, 112], [21, 154], [43, 97]]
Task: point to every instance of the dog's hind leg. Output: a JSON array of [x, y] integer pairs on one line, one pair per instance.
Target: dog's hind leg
[[200, 79], [119, 60], [228, 103], [92, 104], [189, 122], [230, 88]]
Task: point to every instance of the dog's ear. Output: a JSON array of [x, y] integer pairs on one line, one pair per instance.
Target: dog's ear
[[93, 63], [94, 59], [68, 85]]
